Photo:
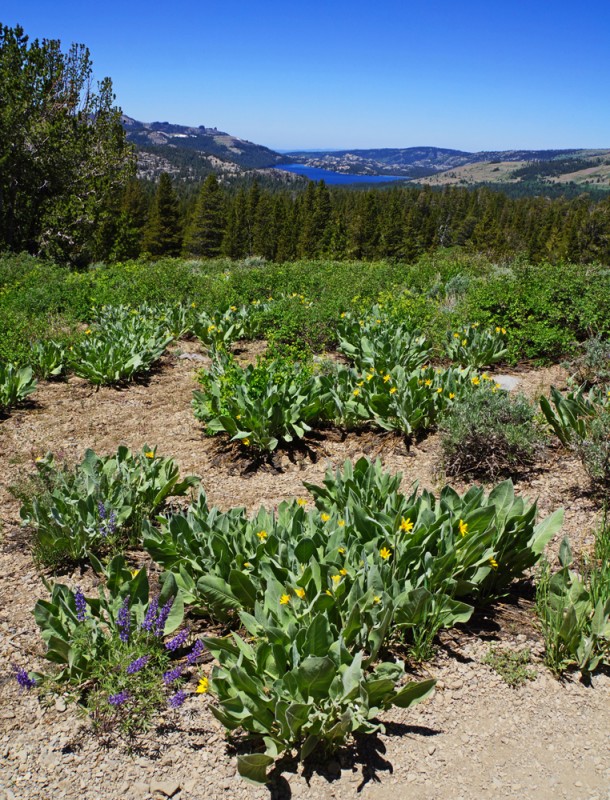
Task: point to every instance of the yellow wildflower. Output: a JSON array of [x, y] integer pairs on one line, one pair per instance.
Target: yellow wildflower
[[149, 454], [300, 592], [406, 525], [324, 517], [475, 381], [428, 381], [393, 390], [343, 571], [193, 305], [341, 523], [233, 308], [456, 335], [301, 501], [356, 392], [335, 578], [246, 442], [463, 528], [202, 686], [360, 383], [343, 314], [503, 330], [439, 390], [262, 535], [451, 395], [493, 563], [88, 331], [464, 342], [284, 599], [497, 386], [387, 378], [134, 572], [329, 593], [376, 599], [371, 375], [385, 553], [247, 564], [342, 550]]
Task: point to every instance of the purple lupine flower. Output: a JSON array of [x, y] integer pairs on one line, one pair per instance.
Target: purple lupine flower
[[124, 620], [176, 700], [162, 619], [119, 699], [23, 679], [81, 605], [111, 527], [178, 641], [137, 665], [151, 614], [172, 675], [196, 652], [101, 510]]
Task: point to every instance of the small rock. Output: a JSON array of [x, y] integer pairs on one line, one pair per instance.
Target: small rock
[[60, 704], [166, 788], [431, 749]]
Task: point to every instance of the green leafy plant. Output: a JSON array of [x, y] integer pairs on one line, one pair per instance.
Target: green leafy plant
[[476, 347], [575, 622], [260, 405], [48, 359], [301, 692], [109, 651], [16, 384], [97, 507]]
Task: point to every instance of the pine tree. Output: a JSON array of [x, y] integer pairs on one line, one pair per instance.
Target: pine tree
[[163, 233], [206, 230]]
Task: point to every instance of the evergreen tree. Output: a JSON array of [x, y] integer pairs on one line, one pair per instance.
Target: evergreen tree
[[163, 233], [64, 158], [205, 232]]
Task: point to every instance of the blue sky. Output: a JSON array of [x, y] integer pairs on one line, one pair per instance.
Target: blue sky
[[470, 75]]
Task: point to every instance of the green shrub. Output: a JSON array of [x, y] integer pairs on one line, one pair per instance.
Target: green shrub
[[490, 433], [15, 385], [98, 506]]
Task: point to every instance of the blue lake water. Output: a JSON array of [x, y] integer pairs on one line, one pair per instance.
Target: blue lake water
[[317, 174]]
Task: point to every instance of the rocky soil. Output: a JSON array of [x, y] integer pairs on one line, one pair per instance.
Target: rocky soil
[[475, 738]]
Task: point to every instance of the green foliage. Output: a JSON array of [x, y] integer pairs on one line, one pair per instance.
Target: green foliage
[[511, 665], [219, 329], [48, 359], [257, 405], [592, 366], [108, 651], [377, 343], [121, 344], [575, 620], [302, 688], [99, 506], [476, 347], [64, 156], [581, 421], [489, 433], [15, 385]]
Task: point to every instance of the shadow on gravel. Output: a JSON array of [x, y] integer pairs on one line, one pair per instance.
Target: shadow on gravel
[[364, 761]]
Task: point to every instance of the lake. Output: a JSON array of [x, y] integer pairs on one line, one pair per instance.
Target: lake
[[317, 174]]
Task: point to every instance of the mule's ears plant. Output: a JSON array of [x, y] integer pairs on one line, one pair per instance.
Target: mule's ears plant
[[476, 347], [98, 506], [16, 384], [302, 695]]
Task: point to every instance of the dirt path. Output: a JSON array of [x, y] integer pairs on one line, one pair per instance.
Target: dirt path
[[476, 738]]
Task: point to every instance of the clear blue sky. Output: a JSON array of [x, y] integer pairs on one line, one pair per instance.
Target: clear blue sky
[[473, 75]]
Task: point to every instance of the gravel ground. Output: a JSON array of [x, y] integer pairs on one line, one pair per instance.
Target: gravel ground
[[475, 738]]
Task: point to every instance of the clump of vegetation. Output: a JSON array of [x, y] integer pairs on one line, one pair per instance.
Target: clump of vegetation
[[573, 606], [490, 433], [111, 653], [511, 665], [16, 384], [96, 508], [592, 366]]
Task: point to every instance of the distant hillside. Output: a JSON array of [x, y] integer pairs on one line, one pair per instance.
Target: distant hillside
[[193, 153], [440, 166]]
